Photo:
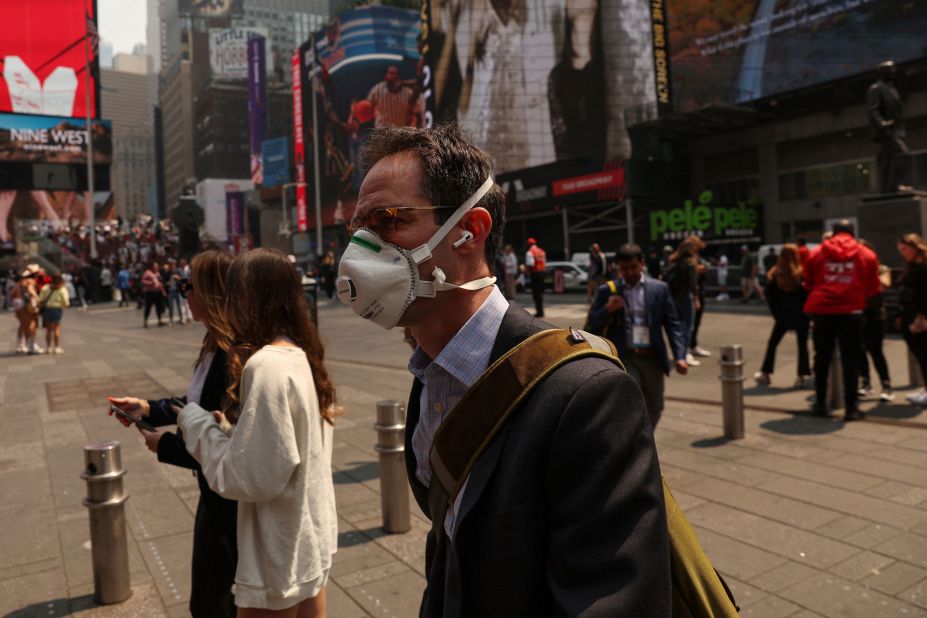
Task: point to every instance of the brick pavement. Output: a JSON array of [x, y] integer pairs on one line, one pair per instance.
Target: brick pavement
[[804, 517]]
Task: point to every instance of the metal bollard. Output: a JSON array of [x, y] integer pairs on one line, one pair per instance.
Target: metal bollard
[[915, 377], [835, 382], [106, 499], [394, 482], [732, 390]]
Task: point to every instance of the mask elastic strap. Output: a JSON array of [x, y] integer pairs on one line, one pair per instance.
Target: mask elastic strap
[[422, 253]]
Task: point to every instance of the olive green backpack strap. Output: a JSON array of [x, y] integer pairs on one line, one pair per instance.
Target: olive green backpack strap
[[486, 406], [698, 590]]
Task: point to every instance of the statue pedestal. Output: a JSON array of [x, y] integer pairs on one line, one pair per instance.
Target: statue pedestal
[[884, 218]]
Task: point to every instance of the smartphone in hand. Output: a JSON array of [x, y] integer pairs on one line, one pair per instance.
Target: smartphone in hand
[[132, 419]]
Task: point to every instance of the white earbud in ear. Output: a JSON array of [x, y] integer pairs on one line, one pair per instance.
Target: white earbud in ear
[[467, 237]]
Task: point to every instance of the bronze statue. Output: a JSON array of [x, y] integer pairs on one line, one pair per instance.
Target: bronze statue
[[884, 108]]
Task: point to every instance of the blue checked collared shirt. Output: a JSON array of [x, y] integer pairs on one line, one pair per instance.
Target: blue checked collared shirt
[[448, 377]]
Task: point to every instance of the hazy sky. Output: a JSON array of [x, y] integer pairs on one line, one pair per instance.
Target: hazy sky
[[122, 23]]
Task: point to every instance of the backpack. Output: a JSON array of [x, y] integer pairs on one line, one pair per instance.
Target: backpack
[[698, 590], [615, 319]]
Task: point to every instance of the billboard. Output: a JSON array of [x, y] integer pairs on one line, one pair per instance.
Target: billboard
[[234, 214], [713, 223], [275, 157], [547, 83], [210, 8], [228, 50], [365, 65], [43, 57], [299, 142], [52, 207], [51, 139], [257, 105], [735, 51]]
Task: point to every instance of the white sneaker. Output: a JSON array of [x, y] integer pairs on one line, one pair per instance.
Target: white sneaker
[[916, 395], [723, 297], [59, 350], [35, 349], [761, 378], [697, 351], [919, 399], [691, 362], [887, 395]]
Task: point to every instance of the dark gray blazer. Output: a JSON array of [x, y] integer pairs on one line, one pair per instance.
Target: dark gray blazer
[[563, 514]]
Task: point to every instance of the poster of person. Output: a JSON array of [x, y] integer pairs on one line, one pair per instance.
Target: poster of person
[[366, 62], [735, 51], [537, 81], [55, 208]]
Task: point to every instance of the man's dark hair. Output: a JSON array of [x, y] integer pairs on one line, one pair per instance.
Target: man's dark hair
[[629, 251], [843, 226], [453, 169], [801, 241]]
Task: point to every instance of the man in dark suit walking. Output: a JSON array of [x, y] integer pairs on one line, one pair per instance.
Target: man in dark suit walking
[[563, 512], [635, 318]]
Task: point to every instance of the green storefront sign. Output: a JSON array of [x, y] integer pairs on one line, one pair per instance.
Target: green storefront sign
[[711, 222]]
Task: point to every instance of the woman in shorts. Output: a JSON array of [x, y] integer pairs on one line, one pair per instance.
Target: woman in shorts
[[54, 299]]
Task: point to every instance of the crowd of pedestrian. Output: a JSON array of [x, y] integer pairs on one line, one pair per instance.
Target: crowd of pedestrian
[[836, 293], [134, 265]]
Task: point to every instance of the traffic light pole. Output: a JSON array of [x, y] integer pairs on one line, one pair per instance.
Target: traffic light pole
[[88, 203]]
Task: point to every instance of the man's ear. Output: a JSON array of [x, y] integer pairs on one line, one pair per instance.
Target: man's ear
[[478, 222]]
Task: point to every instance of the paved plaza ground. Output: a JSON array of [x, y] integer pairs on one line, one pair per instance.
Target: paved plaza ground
[[803, 517]]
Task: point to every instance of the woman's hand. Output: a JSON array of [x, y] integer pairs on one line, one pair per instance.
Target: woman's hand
[[152, 438], [131, 405], [224, 423]]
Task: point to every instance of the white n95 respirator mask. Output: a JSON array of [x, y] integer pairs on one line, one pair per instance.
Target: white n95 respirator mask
[[379, 280]]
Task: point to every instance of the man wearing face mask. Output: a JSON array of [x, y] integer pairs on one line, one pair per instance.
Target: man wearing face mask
[[562, 513]]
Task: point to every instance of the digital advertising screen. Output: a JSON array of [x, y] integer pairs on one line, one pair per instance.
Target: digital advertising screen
[[43, 57], [365, 63], [538, 81], [52, 207], [52, 139], [210, 8], [736, 51]]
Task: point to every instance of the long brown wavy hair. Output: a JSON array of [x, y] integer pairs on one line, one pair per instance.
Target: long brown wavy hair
[[787, 270], [917, 243], [208, 271], [263, 303]]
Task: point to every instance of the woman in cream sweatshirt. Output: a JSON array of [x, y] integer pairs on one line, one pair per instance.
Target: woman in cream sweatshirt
[[275, 457]]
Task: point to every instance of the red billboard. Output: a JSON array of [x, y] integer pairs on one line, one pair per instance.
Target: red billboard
[[43, 57]]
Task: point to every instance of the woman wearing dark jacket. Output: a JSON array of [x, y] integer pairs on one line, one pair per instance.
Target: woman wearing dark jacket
[[873, 336], [912, 301], [786, 300], [682, 277], [215, 550]]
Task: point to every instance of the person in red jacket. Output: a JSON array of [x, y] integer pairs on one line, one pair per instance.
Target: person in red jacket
[[840, 275]]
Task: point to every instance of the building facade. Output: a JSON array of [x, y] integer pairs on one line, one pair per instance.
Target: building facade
[[125, 103]]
